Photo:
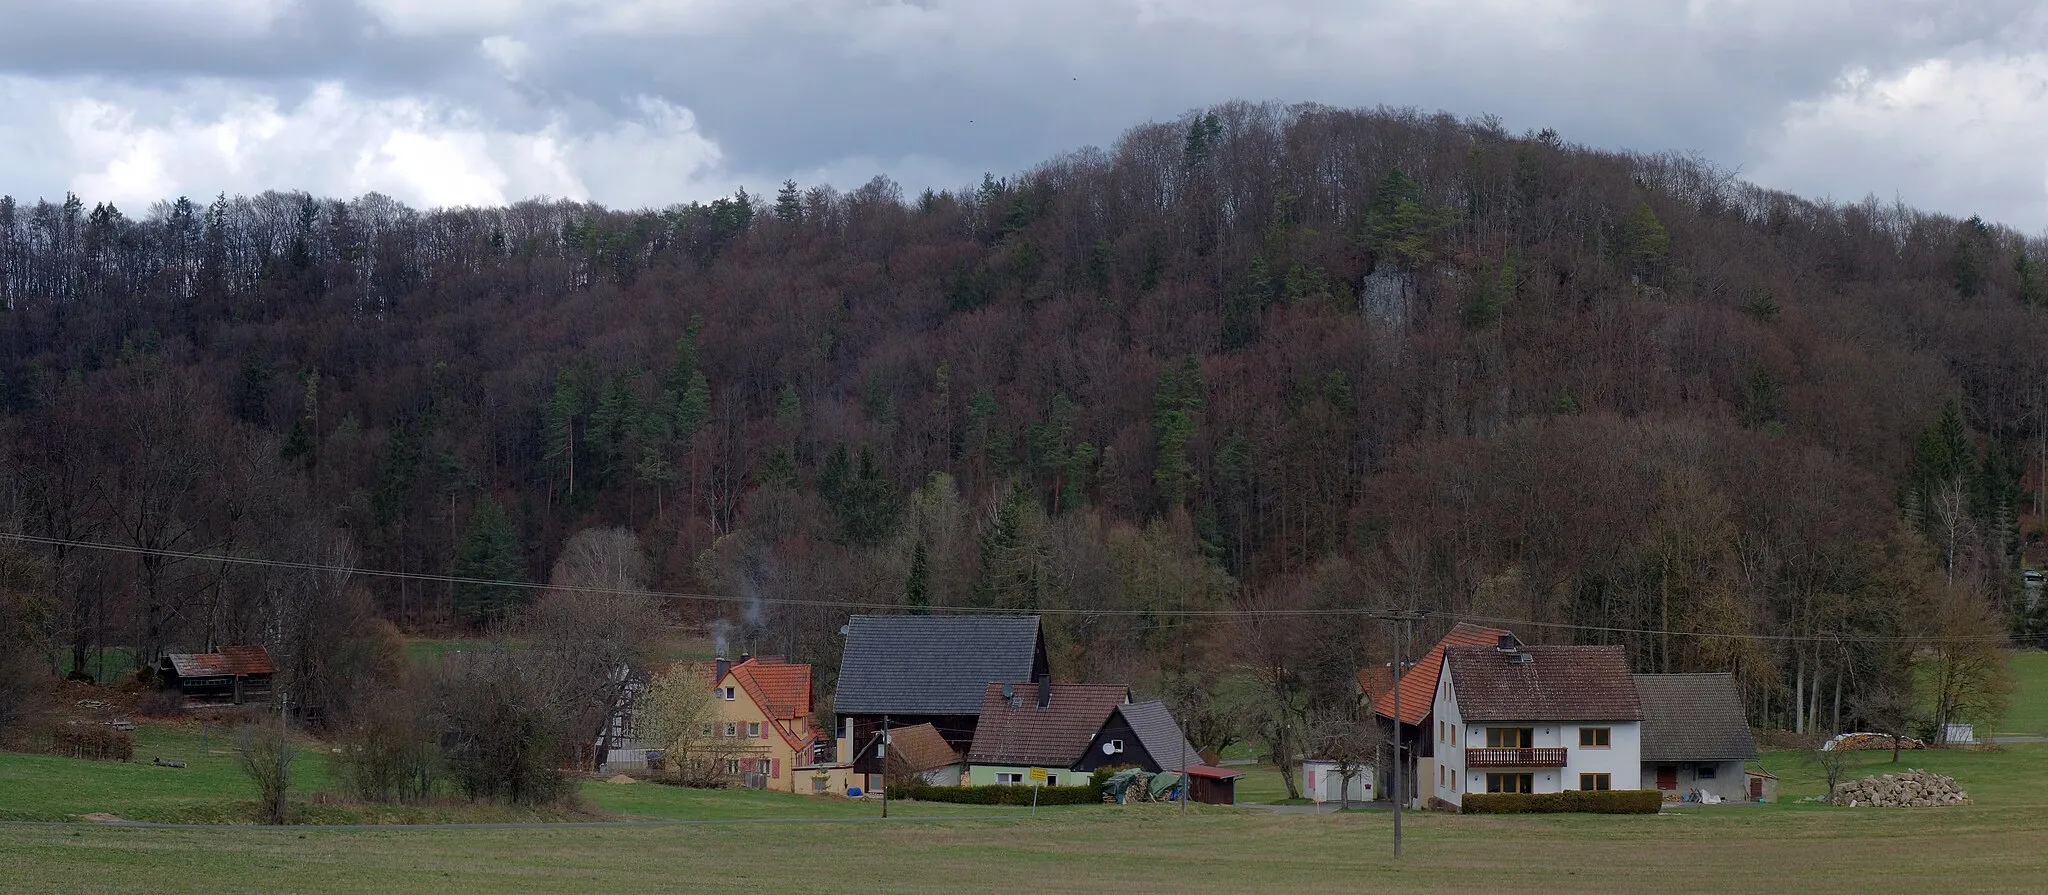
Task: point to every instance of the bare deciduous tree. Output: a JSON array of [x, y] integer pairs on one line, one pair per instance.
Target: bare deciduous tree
[[266, 755], [678, 715]]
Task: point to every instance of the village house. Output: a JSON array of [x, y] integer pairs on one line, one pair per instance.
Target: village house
[[1411, 730], [907, 670], [1534, 719], [761, 723], [1142, 735], [1696, 738], [1025, 725]]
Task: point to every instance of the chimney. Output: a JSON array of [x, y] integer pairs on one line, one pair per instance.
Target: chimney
[[744, 656], [1507, 643], [723, 667], [1044, 691]]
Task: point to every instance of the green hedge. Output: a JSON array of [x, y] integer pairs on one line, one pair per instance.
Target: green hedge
[[1004, 794], [1619, 801]]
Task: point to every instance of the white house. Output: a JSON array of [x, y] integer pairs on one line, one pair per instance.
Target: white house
[[1511, 718]]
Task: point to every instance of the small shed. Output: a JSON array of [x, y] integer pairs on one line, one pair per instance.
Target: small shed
[[1323, 781], [1213, 785], [231, 675]]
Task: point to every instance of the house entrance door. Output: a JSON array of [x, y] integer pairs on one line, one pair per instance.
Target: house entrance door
[[1667, 777], [1756, 788]]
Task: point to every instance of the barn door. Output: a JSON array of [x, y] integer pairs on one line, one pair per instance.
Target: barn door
[[1667, 777], [1756, 787]]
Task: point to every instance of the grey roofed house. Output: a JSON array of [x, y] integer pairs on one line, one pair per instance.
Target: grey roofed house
[[1693, 718], [919, 665]]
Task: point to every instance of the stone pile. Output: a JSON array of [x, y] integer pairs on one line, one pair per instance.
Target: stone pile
[[1913, 789]]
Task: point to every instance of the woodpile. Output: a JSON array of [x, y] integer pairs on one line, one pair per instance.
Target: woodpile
[[1913, 789]]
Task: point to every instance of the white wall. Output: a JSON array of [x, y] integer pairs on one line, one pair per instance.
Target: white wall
[[1621, 759], [1322, 782], [1728, 782], [1450, 750]]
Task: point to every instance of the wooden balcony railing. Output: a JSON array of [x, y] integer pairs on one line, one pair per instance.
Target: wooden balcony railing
[[1514, 758]]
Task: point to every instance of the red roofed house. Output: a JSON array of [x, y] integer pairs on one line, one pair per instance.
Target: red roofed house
[[1418, 696], [1513, 718], [1025, 725], [231, 674], [763, 711]]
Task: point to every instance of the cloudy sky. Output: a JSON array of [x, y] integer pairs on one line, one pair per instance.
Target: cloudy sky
[[1943, 103]]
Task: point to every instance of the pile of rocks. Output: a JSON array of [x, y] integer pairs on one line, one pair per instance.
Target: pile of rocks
[[1913, 789]]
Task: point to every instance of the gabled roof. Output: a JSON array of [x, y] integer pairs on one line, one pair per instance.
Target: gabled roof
[[919, 748], [781, 689], [1559, 683], [1016, 731], [1160, 734], [1213, 773], [1693, 717], [1418, 686], [933, 664], [238, 661]]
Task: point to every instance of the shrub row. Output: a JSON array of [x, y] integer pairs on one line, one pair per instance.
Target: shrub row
[[999, 794], [92, 741], [1620, 801]]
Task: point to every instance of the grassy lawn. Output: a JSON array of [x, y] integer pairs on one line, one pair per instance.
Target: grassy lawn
[[1142, 849], [2029, 712], [941, 848], [1262, 785]]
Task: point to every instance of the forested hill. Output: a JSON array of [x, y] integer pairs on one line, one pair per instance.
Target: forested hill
[[1259, 357]]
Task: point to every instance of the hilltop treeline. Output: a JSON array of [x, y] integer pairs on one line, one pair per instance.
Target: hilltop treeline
[[1262, 357]]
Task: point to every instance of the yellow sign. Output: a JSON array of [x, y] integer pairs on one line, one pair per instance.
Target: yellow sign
[[1037, 775]]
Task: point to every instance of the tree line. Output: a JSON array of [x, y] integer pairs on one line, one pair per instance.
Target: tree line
[[1261, 357]]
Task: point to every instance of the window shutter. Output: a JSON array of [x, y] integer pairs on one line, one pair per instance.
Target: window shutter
[[776, 769]]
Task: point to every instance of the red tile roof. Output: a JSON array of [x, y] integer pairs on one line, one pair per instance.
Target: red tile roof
[[1559, 683], [1202, 770], [1018, 732], [1418, 686], [239, 661], [783, 690]]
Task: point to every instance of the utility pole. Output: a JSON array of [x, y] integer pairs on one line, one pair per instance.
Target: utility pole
[[882, 752], [1405, 617]]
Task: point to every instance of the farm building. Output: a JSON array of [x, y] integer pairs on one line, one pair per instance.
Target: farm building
[[927, 669], [1324, 781], [1213, 786], [231, 675], [1695, 738]]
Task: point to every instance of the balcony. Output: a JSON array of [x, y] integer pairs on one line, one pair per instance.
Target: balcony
[[1514, 758]]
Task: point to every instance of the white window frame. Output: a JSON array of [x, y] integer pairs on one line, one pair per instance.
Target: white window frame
[[753, 730]]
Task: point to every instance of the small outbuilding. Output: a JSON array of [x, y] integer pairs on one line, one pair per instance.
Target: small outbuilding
[[1696, 741], [1324, 781], [231, 675], [1213, 785]]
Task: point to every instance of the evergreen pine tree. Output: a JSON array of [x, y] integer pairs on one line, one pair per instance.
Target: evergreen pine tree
[[489, 553]]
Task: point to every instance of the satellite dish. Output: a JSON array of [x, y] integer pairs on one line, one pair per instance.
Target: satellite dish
[[844, 630], [1109, 748], [1009, 691]]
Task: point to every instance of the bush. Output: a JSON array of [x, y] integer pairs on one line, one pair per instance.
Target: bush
[[97, 741], [1620, 801], [1001, 794]]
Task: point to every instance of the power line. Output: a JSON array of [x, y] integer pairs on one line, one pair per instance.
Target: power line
[[1221, 616]]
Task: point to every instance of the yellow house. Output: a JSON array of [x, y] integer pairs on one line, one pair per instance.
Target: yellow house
[[764, 716]]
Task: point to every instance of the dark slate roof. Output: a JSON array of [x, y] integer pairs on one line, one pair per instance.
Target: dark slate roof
[[932, 664], [1560, 683], [1015, 731], [1693, 717], [1160, 734]]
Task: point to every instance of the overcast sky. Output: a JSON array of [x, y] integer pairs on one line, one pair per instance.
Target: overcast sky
[[647, 102]]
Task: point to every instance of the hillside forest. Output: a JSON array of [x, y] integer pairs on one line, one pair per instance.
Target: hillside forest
[[1198, 397]]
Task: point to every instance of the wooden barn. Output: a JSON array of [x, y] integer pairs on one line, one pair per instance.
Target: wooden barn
[[232, 675]]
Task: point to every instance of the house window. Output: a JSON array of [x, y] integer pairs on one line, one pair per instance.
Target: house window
[[1009, 778], [706, 731], [1510, 782], [1440, 732], [1597, 782], [732, 729], [732, 766], [764, 767], [1454, 734], [1510, 738], [1052, 779], [1595, 737], [754, 730], [728, 693], [1705, 772]]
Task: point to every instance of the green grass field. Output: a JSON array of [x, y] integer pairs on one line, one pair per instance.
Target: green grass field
[[2029, 712]]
